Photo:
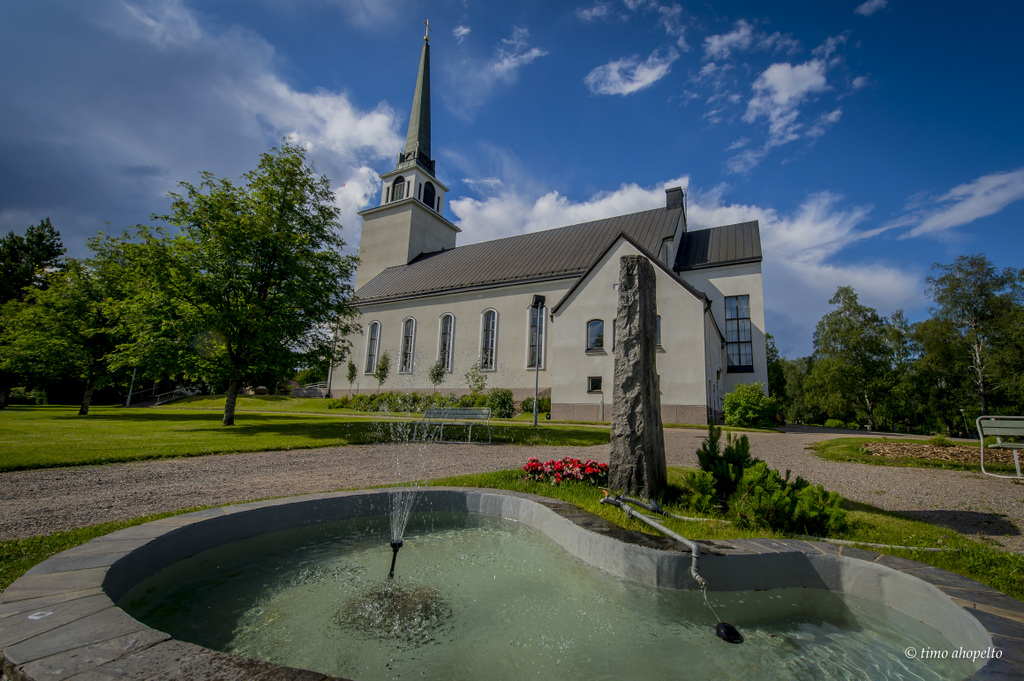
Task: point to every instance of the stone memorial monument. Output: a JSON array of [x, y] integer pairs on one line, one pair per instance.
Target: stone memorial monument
[[637, 463]]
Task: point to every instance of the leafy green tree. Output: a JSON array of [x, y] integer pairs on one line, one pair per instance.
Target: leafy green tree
[[67, 329], [24, 259], [252, 284], [795, 406], [382, 370], [437, 374], [851, 369], [977, 299]]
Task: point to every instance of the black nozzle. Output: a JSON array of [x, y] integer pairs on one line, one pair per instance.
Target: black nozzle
[[727, 632], [395, 545]]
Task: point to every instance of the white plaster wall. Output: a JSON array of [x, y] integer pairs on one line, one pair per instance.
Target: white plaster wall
[[736, 280], [396, 234], [512, 305], [681, 362]]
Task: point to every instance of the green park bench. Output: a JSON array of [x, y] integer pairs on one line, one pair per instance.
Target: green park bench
[[456, 416], [1011, 427]]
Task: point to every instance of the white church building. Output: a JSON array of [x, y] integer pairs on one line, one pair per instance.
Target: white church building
[[423, 299]]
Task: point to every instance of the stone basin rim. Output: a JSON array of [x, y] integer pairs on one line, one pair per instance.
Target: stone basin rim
[[60, 621]]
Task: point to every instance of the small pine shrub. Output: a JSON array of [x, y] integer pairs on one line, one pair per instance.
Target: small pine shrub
[[699, 491], [940, 440], [835, 423], [502, 403], [765, 499], [726, 468], [748, 406]]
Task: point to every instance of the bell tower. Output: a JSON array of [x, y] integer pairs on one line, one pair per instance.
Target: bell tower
[[410, 219]]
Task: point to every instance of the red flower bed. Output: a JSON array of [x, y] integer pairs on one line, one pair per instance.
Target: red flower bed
[[555, 472]]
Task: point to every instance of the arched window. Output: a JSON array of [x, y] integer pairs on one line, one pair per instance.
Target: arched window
[[372, 347], [535, 353], [429, 195], [595, 335], [398, 189], [408, 343], [488, 340], [445, 345]]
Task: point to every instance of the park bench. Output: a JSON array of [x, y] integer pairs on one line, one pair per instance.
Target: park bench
[[456, 416], [1002, 427]]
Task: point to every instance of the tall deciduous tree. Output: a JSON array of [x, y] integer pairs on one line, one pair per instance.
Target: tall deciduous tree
[[851, 368], [24, 259], [67, 329], [977, 299], [253, 283]]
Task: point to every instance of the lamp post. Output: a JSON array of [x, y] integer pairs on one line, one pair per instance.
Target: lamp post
[[538, 307]]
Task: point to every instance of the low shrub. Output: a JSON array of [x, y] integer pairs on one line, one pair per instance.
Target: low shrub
[[765, 499], [339, 402], [25, 396], [853, 425], [940, 440], [543, 405], [502, 403], [835, 423], [566, 470], [748, 406]]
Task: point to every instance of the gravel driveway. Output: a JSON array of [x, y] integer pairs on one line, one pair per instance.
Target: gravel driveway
[[45, 501]]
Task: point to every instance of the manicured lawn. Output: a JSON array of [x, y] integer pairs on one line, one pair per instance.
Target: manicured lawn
[[50, 436]]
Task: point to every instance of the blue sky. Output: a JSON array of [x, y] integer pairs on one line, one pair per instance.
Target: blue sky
[[871, 139]]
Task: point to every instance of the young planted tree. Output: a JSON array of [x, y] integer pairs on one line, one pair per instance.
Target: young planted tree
[[383, 369], [437, 374], [351, 373], [254, 281]]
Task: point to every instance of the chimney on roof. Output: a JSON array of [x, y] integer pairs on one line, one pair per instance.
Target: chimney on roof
[[674, 198]]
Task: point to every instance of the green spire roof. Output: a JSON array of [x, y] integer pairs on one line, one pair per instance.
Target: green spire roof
[[417, 141]]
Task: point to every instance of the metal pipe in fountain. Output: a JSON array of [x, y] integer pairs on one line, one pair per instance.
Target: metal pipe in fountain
[[395, 545], [724, 630]]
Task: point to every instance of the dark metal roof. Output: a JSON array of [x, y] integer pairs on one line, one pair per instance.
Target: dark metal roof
[[537, 256], [728, 245]]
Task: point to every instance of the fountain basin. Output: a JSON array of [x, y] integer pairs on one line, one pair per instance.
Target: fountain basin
[[60, 619]]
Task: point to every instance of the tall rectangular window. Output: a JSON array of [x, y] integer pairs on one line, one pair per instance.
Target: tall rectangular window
[[487, 341], [738, 341], [595, 335], [536, 353], [408, 338], [444, 355], [372, 340]]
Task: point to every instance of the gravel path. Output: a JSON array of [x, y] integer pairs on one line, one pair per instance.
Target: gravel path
[[45, 501]]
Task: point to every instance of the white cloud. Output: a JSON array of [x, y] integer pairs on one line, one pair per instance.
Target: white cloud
[[510, 213], [460, 32], [968, 202], [600, 10], [803, 262], [744, 38], [777, 94], [803, 250], [159, 95], [870, 7], [514, 53], [628, 75]]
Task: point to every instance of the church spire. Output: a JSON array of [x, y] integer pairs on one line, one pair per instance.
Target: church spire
[[417, 141]]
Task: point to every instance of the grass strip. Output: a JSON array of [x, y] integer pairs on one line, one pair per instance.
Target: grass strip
[[34, 437], [850, 449]]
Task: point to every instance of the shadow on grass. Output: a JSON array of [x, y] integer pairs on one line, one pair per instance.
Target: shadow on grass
[[968, 522]]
